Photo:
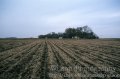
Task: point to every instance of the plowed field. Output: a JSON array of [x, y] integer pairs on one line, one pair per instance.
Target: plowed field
[[61, 59]]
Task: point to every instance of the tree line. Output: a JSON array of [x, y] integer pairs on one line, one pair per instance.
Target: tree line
[[84, 32]]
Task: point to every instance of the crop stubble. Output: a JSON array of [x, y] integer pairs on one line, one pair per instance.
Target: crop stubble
[[56, 59]]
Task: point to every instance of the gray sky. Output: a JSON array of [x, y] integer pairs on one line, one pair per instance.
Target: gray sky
[[30, 18]]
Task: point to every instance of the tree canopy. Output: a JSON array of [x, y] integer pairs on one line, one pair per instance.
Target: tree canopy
[[80, 32]]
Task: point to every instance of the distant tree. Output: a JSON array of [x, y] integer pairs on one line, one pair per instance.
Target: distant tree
[[88, 33], [11, 38], [70, 32], [60, 34], [80, 32], [41, 36], [86, 29]]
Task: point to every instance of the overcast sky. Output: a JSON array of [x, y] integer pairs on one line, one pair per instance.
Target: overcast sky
[[30, 18]]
